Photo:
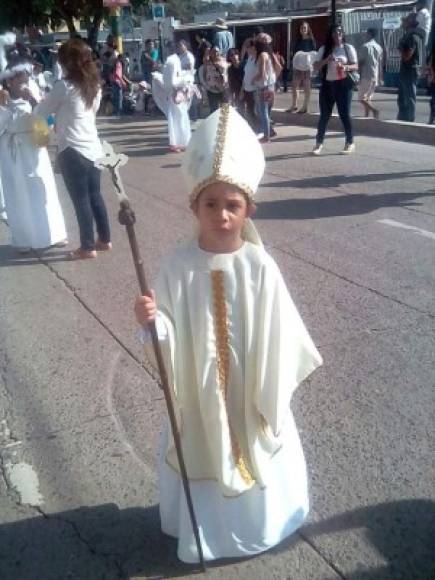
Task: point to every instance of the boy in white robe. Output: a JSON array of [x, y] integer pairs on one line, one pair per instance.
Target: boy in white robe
[[236, 349], [172, 93], [34, 214]]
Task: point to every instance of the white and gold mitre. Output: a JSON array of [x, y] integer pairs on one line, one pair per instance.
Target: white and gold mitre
[[223, 148]]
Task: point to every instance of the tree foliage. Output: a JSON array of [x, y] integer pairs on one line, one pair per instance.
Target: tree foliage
[[15, 14]]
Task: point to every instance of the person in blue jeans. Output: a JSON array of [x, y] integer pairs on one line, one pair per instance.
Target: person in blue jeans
[[408, 73], [75, 100], [118, 84], [335, 60], [265, 80]]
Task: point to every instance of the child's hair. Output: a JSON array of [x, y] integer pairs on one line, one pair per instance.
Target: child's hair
[[310, 32], [75, 57], [372, 32], [232, 52]]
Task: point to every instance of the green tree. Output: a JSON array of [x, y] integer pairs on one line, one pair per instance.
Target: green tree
[[54, 12]]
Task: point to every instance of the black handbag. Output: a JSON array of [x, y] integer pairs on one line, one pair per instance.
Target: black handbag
[[353, 77]]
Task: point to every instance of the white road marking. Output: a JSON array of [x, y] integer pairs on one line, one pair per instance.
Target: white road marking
[[418, 231]]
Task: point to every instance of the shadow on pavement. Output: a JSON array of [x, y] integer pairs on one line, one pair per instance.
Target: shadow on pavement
[[101, 542], [294, 138], [108, 543], [154, 152], [89, 543], [10, 257], [338, 180], [403, 532], [307, 153], [340, 205]]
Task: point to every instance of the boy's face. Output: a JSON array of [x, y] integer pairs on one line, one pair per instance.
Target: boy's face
[[222, 210]]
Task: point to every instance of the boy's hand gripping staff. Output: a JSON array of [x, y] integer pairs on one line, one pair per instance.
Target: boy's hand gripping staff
[[113, 161]]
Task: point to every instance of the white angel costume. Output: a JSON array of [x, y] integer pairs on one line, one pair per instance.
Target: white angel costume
[[236, 349], [7, 39], [172, 93], [3, 214], [34, 213]]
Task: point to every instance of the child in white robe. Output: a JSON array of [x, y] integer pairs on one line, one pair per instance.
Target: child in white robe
[[236, 349], [172, 93], [32, 205]]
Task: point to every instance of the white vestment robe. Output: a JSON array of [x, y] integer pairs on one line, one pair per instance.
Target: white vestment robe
[[3, 214], [164, 89], [34, 213], [236, 349]]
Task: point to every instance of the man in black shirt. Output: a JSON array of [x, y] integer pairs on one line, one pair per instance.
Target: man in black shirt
[[408, 74]]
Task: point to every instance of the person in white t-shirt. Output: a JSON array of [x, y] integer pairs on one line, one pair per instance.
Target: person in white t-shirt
[[423, 20], [188, 65], [75, 100], [335, 60], [249, 88], [370, 62]]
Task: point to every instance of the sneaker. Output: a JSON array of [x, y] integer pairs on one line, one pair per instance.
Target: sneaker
[[348, 149], [317, 149], [264, 140]]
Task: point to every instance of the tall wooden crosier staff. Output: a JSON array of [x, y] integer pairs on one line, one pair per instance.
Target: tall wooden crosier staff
[[113, 161]]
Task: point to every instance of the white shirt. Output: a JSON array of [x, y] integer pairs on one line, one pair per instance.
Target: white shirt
[[187, 61], [249, 72], [340, 54], [424, 21], [75, 123], [270, 79], [57, 72]]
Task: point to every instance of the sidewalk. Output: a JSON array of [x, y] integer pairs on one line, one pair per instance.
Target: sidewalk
[[385, 100], [352, 236]]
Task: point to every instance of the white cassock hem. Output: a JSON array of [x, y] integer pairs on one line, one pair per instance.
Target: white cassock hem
[[241, 526]]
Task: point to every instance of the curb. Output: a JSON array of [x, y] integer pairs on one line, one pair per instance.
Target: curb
[[399, 130]]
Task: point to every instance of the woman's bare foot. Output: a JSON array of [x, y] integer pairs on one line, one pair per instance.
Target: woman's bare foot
[[81, 254], [103, 246]]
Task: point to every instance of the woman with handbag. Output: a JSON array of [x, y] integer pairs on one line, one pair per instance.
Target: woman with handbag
[[338, 66], [264, 80], [215, 75]]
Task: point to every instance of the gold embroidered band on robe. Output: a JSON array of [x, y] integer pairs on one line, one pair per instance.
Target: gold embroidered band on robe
[[223, 363]]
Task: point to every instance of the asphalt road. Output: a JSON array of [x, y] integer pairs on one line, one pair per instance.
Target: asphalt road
[[80, 413]]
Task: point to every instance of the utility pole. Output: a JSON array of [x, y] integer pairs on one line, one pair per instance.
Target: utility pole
[[115, 20], [333, 13], [115, 25]]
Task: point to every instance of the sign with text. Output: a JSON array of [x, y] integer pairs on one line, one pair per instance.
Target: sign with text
[[158, 12], [392, 23]]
